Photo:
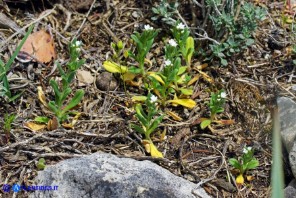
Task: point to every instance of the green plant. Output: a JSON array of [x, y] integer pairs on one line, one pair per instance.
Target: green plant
[[4, 68], [165, 12], [244, 163], [58, 106], [216, 104], [184, 41], [168, 82], [234, 23], [143, 42], [8, 120], [147, 118], [41, 164], [149, 122]]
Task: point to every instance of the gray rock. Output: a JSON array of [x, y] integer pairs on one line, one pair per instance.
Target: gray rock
[[105, 175], [290, 190], [287, 113], [292, 159]]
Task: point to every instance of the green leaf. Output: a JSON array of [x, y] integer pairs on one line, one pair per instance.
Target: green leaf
[[56, 90], [252, 164], [75, 100], [189, 48], [141, 115], [235, 163], [136, 39], [42, 119], [64, 95], [13, 98], [138, 128], [205, 123], [224, 62], [187, 92], [134, 70], [154, 125], [53, 107], [10, 61], [41, 164], [182, 70]]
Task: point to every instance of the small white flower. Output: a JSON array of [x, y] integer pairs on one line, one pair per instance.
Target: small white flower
[[167, 62], [153, 98], [78, 43], [173, 43], [148, 27], [180, 26], [247, 149], [223, 95]]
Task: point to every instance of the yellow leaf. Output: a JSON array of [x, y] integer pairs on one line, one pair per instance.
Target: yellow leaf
[[206, 76], [114, 67], [193, 80], [154, 152], [157, 77], [74, 121], [250, 178], [41, 96], [189, 103], [139, 98], [148, 61], [174, 115], [163, 135], [240, 179], [128, 76], [34, 127], [150, 148]]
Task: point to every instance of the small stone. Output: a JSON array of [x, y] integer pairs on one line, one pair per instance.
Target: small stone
[[84, 77], [106, 82]]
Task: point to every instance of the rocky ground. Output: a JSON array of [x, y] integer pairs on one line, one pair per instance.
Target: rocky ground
[[252, 79]]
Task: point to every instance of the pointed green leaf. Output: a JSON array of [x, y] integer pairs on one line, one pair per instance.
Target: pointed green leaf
[[154, 125], [205, 123], [75, 100], [41, 119], [138, 128], [235, 163]]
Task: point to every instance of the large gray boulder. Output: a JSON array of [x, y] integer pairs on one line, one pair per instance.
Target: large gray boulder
[[105, 175], [287, 113]]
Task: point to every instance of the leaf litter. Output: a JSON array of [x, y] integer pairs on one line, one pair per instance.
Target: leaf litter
[[191, 153]]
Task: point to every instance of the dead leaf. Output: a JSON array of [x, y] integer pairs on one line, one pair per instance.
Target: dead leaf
[[52, 124], [174, 115], [39, 45], [200, 67], [41, 96], [32, 126], [74, 121], [224, 122], [194, 79], [84, 77]]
